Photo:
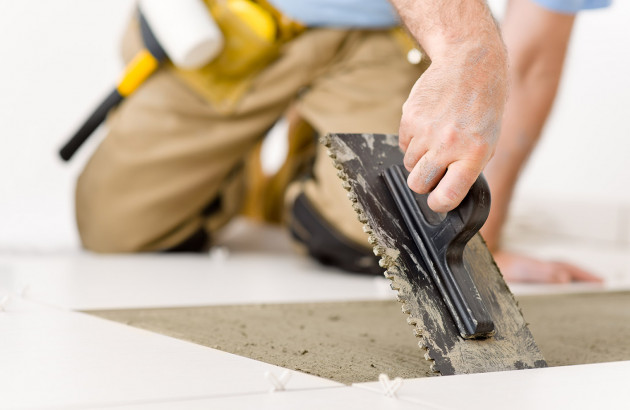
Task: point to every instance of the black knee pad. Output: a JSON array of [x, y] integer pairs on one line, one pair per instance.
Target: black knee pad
[[324, 243]]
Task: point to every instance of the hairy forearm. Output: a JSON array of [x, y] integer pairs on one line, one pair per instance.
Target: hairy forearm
[[451, 121], [442, 26], [537, 41]]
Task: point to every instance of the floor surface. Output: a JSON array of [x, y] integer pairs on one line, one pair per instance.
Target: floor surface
[[352, 342], [52, 356]]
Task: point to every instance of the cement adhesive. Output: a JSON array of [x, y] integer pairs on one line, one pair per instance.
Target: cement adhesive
[[354, 342]]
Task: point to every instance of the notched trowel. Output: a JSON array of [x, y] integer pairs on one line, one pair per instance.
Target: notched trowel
[[461, 308]]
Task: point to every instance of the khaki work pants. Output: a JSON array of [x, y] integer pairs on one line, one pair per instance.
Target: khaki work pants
[[171, 164]]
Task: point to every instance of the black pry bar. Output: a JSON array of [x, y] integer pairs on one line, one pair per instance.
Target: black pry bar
[[441, 244]]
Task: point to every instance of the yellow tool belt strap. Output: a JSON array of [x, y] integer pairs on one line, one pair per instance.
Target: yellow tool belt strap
[[288, 28], [223, 81]]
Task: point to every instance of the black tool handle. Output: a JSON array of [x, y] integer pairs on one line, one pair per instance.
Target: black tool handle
[[88, 127], [441, 243], [113, 99]]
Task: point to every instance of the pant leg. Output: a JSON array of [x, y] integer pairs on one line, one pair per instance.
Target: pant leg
[[361, 91], [170, 167]]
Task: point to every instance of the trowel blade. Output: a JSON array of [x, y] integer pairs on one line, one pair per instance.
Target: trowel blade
[[360, 159]]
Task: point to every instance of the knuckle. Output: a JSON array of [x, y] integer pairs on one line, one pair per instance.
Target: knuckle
[[449, 196], [403, 142], [436, 204], [450, 137], [405, 123], [409, 161], [409, 108], [415, 184], [444, 200], [407, 118], [405, 107], [480, 150], [404, 135]]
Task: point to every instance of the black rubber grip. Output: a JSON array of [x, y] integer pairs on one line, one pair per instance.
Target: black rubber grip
[[441, 243], [88, 127]]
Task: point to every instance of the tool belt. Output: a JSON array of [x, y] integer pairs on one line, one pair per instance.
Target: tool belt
[[224, 80]]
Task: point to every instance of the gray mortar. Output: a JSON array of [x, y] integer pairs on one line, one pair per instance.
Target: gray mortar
[[356, 341], [388, 253]]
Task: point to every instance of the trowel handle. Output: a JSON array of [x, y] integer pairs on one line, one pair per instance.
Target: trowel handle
[[459, 225], [473, 211], [441, 242]]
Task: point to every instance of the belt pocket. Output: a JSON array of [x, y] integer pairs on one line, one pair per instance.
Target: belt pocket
[[247, 51]]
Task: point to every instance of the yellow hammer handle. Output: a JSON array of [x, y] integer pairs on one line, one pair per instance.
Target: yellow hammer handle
[[136, 72]]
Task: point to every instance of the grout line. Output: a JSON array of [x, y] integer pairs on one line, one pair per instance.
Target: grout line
[[184, 399], [406, 399]]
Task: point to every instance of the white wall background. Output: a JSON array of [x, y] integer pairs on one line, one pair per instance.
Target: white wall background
[[585, 146], [59, 58]]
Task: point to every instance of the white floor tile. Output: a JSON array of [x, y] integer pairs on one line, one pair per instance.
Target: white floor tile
[[87, 281], [62, 359], [593, 386], [341, 398], [253, 264], [14, 302], [610, 263]]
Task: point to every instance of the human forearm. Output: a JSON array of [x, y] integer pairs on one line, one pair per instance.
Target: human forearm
[[451, 120], [448, 25], [537, 41], [530, 102]]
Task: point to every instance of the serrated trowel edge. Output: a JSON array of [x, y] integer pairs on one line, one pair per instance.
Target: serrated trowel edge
[[387, 262]]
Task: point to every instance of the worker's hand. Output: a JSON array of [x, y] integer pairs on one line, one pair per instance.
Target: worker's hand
[[451, 122], [520, 268]]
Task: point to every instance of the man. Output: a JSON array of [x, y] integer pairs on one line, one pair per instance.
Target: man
[[536, 33], [170, 171]]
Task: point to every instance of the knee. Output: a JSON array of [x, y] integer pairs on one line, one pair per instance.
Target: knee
[[112, 222], [100, 230], [106, 224]]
